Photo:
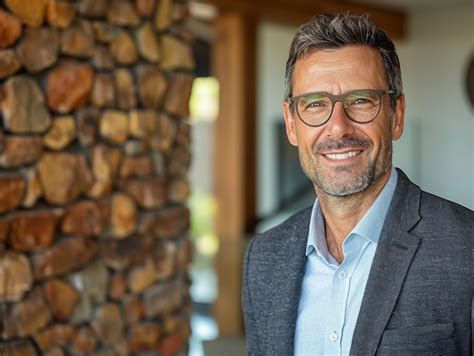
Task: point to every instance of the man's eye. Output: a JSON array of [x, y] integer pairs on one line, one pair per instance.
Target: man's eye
[[315, 104]]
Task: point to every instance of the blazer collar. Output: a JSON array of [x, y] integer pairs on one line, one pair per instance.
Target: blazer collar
[[395, 251]]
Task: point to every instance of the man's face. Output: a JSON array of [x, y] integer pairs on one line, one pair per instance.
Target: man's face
[[343, 157]]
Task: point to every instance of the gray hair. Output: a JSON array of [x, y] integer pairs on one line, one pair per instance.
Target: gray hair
[[340, 30]]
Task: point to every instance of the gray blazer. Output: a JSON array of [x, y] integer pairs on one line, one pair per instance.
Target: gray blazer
[[418, 298]]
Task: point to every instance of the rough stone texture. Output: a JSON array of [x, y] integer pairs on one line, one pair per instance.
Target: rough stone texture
[[105, 32], [61, 297], [168, 129], [123, 219], [133, 308], [103, 94], [122, 13], [152, 86], [165, 256], [12, 188], [23, 106], [147, 43], [64, 257], [84, 218], [3, 229], [77, 42], [164, 14], [30, 12], [123, 49], [58, 335], [179, 190], [84, 342], [144, 337], [172, 221], [185, 253], [136, 167], [60, 14], [177, 97], [103, 58], [124, 89], [108, 324], [34, 189], [69, 86], [142, 276], [162, 298], [22, 347], [143, 123], [172, 344], [20, 150], [179, 162], [114, 126], [10, 29], [64, 176], [38, 49], [61, 133], [32, 230], [15, 276], [93, 8], [148, 193], [117, 286], [120, 255], [175, 54], [136, 148], [145, 8], [104, 165], [26, 317], [9, 62], [87, 125]]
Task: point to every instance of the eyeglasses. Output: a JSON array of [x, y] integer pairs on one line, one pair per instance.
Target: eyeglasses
[[361, 105]]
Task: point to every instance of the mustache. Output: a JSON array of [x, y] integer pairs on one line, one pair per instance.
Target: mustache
[[346, 142]]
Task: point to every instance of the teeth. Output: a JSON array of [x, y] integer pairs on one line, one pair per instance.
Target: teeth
[[339, 156]]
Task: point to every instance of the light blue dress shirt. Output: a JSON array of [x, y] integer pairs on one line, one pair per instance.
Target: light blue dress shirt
[[332, 293]]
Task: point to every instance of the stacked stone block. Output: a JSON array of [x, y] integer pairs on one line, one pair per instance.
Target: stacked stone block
[[94, 154]]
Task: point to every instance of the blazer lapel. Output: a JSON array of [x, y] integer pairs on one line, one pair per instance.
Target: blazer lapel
[[391, 262], [289, 264]]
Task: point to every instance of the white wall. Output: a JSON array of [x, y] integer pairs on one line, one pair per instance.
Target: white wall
[[436, 150]]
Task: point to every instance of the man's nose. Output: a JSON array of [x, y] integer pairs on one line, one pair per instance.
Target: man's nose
[[339, 123]]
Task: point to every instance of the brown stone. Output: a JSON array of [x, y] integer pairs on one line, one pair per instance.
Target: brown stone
[[108, 323], [10, 29], [4, 224], [60, 14], [172, 344], [162, 298], [77, 42], [55, 351], [134, 309], [57, 335], [168, 129], [15, 276], [143, 123], [181, 12], [69, 86], [61, 297], [61, 133], [118, 286], [123, 216], [142, 276], [151, 86], [103, 58], [87, 125], [179, 190], [103, 95], [93, 8], [84, 342], [64, 176], [182, 32], [105, 32], [20, 150], [27, 316], [123, 49], [148, 193], [177, 97], [32, 230], [9, 63], [175, 54], [114, 126], [124, 89], [30, 12], [145, 8], [147, 43], [144, 337], [34, 189], [105, 163], [23, 106], [22, 347], [179, 162], [164, 14], [12, 188], [185, 252], [165, 257], [38, 49], [122, 13], [64, 257], [83, 218], [172, 221], [136, 167], [120, 255]]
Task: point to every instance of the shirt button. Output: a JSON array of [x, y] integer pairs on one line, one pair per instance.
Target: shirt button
[[333, 336], [342, 274]]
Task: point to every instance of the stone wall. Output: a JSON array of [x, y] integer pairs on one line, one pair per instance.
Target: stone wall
[[94, 154]]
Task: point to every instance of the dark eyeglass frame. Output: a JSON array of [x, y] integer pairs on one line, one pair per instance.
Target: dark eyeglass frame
[[293, 101]]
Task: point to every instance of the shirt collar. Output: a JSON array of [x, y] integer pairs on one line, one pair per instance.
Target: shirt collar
[[369, 227]]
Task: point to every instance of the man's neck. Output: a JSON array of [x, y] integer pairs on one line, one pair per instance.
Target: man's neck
[[342, 214]]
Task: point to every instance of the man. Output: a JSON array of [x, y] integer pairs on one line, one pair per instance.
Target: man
[[376, 266]]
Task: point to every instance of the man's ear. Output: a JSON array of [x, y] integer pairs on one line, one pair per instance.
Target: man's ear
[[290, 124], [398, 119]]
